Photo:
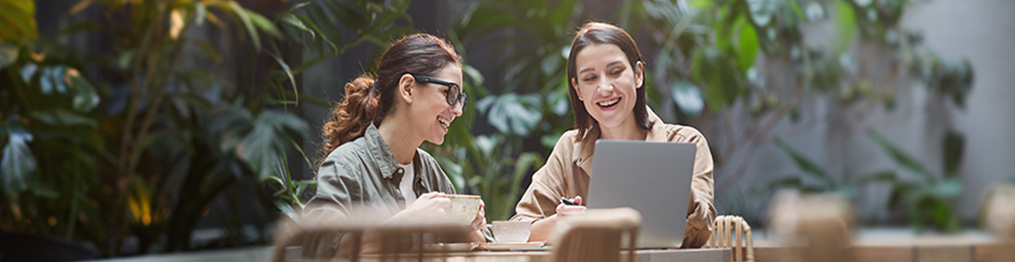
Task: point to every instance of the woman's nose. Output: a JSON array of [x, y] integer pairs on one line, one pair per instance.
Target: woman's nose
[[458, 108], [605, 86]]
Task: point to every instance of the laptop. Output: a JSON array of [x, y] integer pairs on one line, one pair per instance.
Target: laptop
[[651, 177]]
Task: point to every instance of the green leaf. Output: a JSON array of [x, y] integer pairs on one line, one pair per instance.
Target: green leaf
[[263, 23], [324, 37], [900, 157], [948, 188], [60, 117], [200, 12], [18, 164], [85, 98], [241, 13], [747, 49], [17, 21], [845, 27], [514, 114], [806, 164], [318, 19], [289, 73], [210, 51], [8, 54], [688, 98], [762, 11], [263, 147], [292, 20]]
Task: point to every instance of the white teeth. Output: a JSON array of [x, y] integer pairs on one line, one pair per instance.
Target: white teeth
[[444, 123], [609, 103]]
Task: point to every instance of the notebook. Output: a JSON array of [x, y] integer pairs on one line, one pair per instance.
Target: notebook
[[651, 177]]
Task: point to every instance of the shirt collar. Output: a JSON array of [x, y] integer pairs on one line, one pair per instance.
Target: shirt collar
[[380, 152], [585, 147]]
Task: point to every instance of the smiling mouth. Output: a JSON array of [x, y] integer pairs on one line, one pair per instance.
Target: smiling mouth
[[444, 123], [609, 103]]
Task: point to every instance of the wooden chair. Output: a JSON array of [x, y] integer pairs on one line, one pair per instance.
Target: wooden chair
[[734, 233], [816, 225], [999, 218], [397, 242], [596, 235]]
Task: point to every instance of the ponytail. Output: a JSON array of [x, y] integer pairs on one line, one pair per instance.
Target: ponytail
[[350, 119]]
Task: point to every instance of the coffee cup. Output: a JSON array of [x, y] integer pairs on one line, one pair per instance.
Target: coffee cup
[[511, 231], [464, 208]]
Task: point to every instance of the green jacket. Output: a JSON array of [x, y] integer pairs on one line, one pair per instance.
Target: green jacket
[[364, 172]]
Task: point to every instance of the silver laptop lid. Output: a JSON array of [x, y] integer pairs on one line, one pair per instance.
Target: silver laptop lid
[[651, 177]]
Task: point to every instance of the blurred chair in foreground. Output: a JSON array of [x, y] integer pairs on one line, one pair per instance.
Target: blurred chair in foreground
[[392, 241], [596, 235], [734, 233], [999, 218], [817, 225]]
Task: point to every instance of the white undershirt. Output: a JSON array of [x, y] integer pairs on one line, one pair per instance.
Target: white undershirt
[[405, 186]]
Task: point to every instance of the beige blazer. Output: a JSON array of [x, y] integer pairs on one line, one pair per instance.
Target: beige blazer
[[566, 174]]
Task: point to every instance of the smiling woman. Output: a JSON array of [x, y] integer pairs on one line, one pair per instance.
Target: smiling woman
[[606, 81], [371, 143]]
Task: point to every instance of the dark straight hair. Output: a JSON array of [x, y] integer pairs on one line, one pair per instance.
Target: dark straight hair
[[596, 33]]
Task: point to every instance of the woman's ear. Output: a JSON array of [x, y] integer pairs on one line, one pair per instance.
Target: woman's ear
[[574, 84], [405, 85], [639, 74]]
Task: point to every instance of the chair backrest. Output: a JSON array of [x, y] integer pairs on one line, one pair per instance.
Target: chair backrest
[[596, 235], [999, 219], [393, 241], [818, 224], [734, 233]]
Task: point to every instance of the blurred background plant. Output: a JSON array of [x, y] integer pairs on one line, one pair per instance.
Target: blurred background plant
[[129, 125], [129, 144], [735, 69]]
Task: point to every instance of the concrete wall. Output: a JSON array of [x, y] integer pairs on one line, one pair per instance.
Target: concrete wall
[[982, 31]]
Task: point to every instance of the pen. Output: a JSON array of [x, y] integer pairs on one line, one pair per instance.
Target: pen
[[567, 201]]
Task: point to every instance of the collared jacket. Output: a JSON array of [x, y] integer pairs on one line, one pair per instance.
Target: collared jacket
[[566, 174], [364, 172]]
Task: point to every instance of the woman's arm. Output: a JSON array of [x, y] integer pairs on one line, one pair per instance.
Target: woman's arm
[[541, 202], [543, 228], [700, 210]]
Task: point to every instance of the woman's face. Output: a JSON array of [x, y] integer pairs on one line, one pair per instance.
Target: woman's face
[[431, 114], [606, 84]]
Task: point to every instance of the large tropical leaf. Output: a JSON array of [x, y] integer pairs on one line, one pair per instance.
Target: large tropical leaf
[[263, 149], [901, 157], [806, 164], [18, 164], [512, 113], [17, 21]]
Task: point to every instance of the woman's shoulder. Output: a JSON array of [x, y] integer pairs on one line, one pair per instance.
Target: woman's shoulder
[[567, 141], [346, 156], [681, 133]]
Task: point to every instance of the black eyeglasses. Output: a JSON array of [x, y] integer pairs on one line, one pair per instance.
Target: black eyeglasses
[[454, 93]]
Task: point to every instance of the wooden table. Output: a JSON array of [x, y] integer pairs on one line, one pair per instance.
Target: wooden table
[[644, 255], [906, 248]]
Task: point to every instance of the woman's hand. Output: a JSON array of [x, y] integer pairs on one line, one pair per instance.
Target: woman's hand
[[564, 210], [541, 229], [478, 224], [431, 206]]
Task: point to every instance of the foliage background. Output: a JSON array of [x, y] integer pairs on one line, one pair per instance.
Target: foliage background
[[142, 127]]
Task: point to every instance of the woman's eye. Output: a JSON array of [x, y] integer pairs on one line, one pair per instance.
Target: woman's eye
[[590, 78], [616, 72]]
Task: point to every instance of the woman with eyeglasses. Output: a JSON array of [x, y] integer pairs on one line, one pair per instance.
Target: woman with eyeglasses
[[372, 139], [606, 82]]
